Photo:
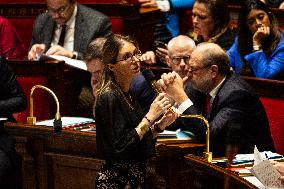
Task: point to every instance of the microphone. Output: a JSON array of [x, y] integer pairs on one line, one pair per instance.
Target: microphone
[[150, 77], [57, 121]]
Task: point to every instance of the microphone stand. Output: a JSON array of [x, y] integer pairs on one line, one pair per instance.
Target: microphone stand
[[207, 155], [32, 120]]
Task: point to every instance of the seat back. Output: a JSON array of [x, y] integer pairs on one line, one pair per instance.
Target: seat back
[[275, 111], [41, 100], [271, 94]]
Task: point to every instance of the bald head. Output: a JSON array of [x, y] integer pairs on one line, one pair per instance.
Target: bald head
[[180, 42], [213, 54], [180, 49]]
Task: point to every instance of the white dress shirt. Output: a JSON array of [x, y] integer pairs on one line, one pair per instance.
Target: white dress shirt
[[69, 35]]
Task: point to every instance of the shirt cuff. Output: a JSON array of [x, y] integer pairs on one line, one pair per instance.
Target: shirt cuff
[[164, 5], [184, 105]]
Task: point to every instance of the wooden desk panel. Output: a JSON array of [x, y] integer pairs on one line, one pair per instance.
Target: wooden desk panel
[[69, 159]]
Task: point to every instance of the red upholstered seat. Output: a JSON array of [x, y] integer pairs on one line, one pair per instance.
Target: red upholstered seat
[[117, 25], [41, 99], [275, 112]]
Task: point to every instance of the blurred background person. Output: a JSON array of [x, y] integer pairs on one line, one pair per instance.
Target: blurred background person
[[258, 49], [12, 100], [93, 59], [66, 29], [211, 23], [169, 25], [125, 134], [11, 46], [77, 23], [207, 25]]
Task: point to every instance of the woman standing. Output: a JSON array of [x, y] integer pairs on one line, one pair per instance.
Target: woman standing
[[125, 135], [259, 48]]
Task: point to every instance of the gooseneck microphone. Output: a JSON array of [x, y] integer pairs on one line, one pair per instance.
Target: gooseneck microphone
[[150, 77]]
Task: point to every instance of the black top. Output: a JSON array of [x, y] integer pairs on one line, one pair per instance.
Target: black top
[[117, 115], [12, 98]]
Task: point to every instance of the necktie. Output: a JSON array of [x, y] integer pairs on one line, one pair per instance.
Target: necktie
[[207, 105], [62, 36]]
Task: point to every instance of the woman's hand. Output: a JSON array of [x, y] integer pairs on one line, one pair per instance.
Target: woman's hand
[[158, 107], [261, 33], [169, 117]]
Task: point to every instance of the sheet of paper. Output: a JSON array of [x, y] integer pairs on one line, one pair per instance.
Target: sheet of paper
[[257, 156], [72, 62], [267, 174], [67, 121]]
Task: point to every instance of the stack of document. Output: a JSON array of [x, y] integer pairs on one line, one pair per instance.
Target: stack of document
[[264, 171]]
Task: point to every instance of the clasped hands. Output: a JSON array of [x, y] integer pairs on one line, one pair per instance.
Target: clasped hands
[[38, 49], [172, 84]]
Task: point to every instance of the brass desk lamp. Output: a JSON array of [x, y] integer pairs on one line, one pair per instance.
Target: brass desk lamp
[[207, 154], [32, 120]]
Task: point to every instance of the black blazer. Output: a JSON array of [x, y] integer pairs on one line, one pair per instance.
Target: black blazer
[[237, 117], [12, 98]]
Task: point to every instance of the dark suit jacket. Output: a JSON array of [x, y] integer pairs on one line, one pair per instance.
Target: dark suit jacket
[[12, 98], [237, 117], [90, 24]]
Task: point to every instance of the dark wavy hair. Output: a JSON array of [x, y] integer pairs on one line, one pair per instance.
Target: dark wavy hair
[[220, 14], [245, 36], [111, 48]]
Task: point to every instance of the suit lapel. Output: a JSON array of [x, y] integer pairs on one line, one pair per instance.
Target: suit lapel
[[48, 33], [216, 101], [79, 31]]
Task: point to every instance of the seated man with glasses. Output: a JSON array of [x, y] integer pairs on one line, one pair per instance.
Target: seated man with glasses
[[66, 29], [236, 116]]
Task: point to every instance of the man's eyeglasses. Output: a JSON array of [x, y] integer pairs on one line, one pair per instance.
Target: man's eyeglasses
[[59, 11], [177, 60], [193, 69], [129, 57]]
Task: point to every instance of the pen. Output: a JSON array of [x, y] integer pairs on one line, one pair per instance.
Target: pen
[[266, 155], [81, 127]]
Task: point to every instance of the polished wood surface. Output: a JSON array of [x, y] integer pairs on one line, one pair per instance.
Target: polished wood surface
[[201, 174], [69, 160], [266, 87]]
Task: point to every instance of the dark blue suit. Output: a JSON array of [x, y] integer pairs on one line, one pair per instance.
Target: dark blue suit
[[237, 117]]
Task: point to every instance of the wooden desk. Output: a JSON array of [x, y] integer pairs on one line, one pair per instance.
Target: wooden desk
[[69, 160], [201, 174]]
